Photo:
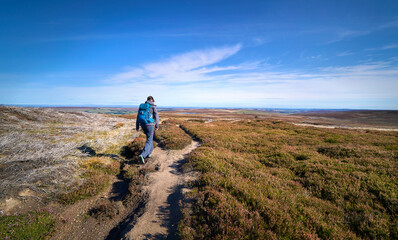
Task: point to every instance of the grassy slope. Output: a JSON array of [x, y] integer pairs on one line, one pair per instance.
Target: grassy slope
[[274, 180], [39, 148], [46, 142]]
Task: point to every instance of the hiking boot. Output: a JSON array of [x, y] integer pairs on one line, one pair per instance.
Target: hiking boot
[[141, 159]]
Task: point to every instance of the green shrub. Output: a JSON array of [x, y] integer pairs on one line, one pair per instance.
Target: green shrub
[[337, 152], [334, 139], [301, 156]]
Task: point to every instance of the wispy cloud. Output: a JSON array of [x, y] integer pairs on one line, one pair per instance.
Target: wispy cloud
[[345, 53], [342, 35], [194, 77], [391, 24], [358, 86], [385, 47], [258, 41], [185, 67], [346, 34], [201, 78]]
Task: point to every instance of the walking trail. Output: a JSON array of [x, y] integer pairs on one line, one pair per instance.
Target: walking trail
[[166, 188]]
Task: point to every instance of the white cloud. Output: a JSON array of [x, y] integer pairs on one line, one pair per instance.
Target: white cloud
[[392, 24], [192, 60], [193, 79], [342, 35], [181, 68], [124, 76], [357, 86], [345, 53], [259, 41], [385, 47]]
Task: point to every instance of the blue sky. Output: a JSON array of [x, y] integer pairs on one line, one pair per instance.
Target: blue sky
[[262, 54]]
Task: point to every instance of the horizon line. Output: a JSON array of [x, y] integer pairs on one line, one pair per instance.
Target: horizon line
[[198, 107]]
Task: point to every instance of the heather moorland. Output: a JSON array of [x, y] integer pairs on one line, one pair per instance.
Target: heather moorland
[[253, 175]]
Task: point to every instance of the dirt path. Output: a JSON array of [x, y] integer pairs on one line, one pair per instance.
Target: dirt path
[[154, 214], [165, 188]]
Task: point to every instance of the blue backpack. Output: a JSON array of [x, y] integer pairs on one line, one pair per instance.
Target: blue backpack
[[144, 117]]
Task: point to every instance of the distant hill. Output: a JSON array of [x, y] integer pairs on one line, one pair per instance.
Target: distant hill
[[373, 117]]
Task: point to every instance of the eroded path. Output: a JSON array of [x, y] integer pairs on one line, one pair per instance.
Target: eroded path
[[165, 188]]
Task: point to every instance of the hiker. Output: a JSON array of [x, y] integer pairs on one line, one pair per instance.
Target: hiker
[[148, 118]]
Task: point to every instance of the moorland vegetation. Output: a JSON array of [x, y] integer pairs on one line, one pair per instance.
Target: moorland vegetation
[[259, 178], [48, 156], [41, 149], [171, 136], [272, 180]]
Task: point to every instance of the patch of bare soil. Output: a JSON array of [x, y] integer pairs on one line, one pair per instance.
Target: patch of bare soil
[[79, 225]]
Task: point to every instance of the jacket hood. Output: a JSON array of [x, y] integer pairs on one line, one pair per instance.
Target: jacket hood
[[150, 102]]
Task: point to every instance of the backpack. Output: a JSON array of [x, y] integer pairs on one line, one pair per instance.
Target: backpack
[[144, 117]]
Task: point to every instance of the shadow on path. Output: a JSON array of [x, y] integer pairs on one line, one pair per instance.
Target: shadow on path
[[127, 223]]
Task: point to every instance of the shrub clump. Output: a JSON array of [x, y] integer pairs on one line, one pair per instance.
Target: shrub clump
[[129, 172], [106, 165], [137, 178], [134, 147], [97, 175], [104, 210], [170, 136], [337, 152], [95, 182]]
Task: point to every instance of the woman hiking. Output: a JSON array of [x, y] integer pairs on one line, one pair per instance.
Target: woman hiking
[[148, 118]]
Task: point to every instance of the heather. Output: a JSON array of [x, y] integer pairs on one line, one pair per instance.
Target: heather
[[171, 136], [273, 180]]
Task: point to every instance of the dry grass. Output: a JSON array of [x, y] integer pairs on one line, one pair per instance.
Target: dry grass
[[105, 164], [273, 180], [94, 183], [119, 125], [38, 147]]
